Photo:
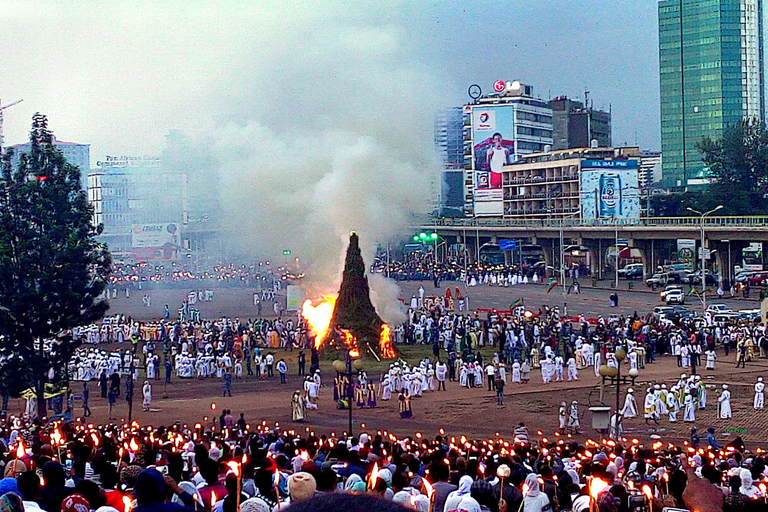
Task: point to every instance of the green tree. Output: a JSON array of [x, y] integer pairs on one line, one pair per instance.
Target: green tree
[[738, 164], [52, 269]]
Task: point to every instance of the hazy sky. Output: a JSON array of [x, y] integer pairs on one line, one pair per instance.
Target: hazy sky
[[119, 74]]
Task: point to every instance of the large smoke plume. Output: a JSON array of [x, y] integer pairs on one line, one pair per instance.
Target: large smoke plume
[[333, 135]]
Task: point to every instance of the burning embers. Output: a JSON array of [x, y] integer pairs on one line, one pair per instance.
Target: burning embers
[[319, 317]]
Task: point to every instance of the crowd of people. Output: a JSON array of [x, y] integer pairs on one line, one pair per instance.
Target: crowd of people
[[230, 464]]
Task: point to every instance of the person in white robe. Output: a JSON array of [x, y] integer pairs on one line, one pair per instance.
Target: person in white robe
[[597, 363], [673, 406], [573, 372], [147, 392], [562, 416], [724, 401], [650, 411], [711, 356], [701, 392], [689, 415], [573, 418], [759, 401], [516, 371], [630, 405], [559, 369]]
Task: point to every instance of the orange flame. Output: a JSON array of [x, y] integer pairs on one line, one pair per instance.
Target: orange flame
[[20, 450], [596, 486], [127, 504], [385, 343], [428, 487], [319, 317], [374, 475], [213, 499], [234, 467], [350, 341]]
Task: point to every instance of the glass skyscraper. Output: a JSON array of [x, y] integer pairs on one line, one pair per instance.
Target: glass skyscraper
[[712, 80]]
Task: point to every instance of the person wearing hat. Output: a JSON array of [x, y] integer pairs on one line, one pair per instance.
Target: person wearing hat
[[711, 441], [759, 401], [725, 403]]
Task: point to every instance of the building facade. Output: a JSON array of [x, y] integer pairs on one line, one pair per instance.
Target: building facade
[[76, 154], [577, 126], [711, 76], [501, 128], [590, 183], [650, 172]]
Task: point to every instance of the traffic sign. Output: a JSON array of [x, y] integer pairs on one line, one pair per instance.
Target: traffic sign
[[508, 245]]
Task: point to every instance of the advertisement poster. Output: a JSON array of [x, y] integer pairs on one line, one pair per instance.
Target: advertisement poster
[[610, 189], [493, 138], [156, 242]]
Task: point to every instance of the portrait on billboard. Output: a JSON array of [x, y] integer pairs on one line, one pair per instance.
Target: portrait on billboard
[[481, 179], [491, 155]]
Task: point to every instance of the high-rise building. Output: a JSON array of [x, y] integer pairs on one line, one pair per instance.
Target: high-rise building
[[711, 75], [501, 128], [449, 142], [649, 172], [577, 126], [76, 154]]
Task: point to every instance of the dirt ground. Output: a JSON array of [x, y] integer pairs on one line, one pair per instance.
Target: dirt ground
[[460, 411]]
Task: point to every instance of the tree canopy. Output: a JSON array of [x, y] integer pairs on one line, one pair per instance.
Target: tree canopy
[[52, 269]]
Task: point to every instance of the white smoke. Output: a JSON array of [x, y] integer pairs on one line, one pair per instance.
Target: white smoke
[[334, 136]]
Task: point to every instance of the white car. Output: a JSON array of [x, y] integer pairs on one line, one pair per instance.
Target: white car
[[718, 308], [669, 288], [675, 297]]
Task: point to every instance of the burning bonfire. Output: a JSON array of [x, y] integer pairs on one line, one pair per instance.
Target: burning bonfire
[[349, 319]]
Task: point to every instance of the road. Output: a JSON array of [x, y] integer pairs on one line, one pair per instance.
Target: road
[[591, 302]]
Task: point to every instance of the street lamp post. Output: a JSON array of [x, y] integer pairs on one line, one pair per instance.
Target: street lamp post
[[703, 262]]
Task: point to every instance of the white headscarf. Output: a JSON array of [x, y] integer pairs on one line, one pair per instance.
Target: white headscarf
[[468, 504], [455, 497], [532, 482]]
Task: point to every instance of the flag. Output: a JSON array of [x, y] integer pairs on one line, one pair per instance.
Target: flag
[[552, 284], [692, 291], [518, 302]]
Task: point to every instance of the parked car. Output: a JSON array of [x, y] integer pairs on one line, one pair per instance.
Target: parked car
[[631, 271], [668, 289], [660, 312], [675, 297], [743, 277], [749, 314], [758, 278], [718, 308], [657, 280]]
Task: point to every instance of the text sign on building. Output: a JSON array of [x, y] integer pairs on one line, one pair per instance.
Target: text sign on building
[[609, 189], [156, 242]]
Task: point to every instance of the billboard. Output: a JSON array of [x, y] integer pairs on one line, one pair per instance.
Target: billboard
[[493, 133], [609, 189], [295, 298], [156, 242]]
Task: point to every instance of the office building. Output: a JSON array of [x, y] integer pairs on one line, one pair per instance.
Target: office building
[[449, 143], [577, 126], [711, 76], [76, 154], [588, 183], [500, 128], [650, 172]]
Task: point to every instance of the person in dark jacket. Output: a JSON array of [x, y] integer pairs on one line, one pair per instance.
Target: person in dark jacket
[[151, 493], [54, 491]]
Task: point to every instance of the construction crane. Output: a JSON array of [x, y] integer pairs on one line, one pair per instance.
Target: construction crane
[[2, 108]]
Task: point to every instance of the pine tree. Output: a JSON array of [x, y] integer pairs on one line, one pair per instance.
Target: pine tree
[[52, 269], [354, 310]]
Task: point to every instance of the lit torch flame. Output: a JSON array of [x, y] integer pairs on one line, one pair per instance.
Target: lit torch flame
[[319, 317], [374, 475], [213, 499], [597, 486], [428, 487], [385, 343], [234, 467], [20, 451], [127, 504]]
